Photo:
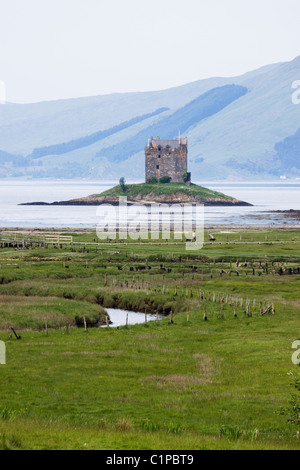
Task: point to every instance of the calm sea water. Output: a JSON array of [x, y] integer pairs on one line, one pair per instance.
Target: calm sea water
[[265, 197]]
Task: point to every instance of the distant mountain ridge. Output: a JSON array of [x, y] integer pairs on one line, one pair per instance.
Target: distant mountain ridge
[[288, 152], [206, 105], [86, 141], [244, 127]]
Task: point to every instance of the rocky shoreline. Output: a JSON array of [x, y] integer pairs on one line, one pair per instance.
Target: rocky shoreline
[[291, 214], [165, 199]]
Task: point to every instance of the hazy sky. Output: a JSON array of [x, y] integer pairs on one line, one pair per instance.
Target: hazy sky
[[53, 49]]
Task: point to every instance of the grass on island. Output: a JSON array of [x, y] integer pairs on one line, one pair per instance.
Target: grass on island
[[183, 385], [158, 189]]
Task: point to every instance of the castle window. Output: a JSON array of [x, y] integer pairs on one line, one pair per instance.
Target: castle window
[[157, 167], [158, 156]]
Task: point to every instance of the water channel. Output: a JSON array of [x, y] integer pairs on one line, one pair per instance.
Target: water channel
[[118, 317]]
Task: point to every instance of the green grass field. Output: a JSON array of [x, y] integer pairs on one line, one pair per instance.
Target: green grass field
[[188, 384]]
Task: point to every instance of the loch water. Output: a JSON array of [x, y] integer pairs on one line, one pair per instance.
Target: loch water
[[264, 197]]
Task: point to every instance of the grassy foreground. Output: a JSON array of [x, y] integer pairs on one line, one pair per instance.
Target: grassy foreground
[[187, 384]]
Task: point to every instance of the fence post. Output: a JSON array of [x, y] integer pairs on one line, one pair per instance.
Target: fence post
[[204, 313]]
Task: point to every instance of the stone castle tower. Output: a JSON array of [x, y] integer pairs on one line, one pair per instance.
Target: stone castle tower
[[167, 158]]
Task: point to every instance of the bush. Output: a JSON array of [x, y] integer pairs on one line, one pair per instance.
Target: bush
[[152, 180], [122, 184], [165, 179]]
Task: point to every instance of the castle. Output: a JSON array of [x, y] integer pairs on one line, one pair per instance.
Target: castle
[[167, 158]]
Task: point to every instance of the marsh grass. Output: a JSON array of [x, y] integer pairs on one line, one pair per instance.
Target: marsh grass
[[190, 384], [34, 311]]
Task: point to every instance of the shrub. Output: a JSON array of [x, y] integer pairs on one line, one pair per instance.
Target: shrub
[[152, 180], [165, 179], [122, 184], [185, 177]]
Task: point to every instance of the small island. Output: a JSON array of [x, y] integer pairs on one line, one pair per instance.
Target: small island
[[166, 182], [147, 194]]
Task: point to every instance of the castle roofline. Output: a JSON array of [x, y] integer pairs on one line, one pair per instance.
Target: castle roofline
[[173, 143]]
